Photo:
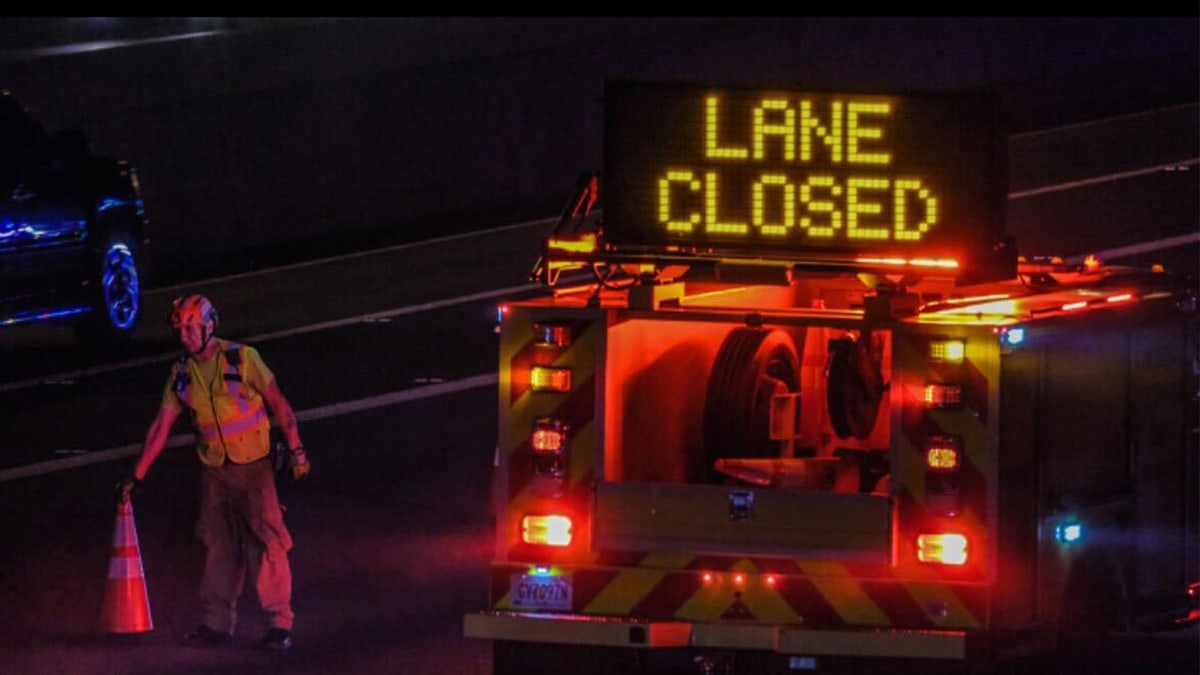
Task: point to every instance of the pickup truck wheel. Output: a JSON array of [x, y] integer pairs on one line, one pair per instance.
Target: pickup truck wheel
[[116, 293], [752, 365]]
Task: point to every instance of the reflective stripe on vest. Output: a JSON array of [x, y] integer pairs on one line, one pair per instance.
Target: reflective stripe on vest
[[251, 413]]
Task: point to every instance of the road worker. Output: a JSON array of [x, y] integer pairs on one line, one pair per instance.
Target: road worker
[[223, 386]]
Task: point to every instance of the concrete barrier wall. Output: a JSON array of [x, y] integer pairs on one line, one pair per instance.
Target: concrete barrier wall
[[399, 128]]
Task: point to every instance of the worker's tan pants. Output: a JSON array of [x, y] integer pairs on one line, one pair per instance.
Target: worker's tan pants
[[242, 527]]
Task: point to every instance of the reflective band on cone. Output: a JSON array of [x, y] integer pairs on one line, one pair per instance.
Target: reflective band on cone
[[126, 604]]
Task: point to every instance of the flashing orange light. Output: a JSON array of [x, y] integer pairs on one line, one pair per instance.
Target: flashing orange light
[[1091, 262], [932, 262], [1074, 305], [943, 452], [547, 438], [947, 351], [544, 378], [942, 457], [943, 395], [584, 243], [1119, 298], [564, 265], [547, 530], [945, 548], [943, 263], [974, 299]]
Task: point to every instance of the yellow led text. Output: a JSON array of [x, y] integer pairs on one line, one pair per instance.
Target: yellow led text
[[811, 167], [851, 133], [819, 206]]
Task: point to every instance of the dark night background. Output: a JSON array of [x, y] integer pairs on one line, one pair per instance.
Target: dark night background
[[263, 140]]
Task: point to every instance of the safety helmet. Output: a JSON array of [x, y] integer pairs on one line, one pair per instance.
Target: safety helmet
[[192, 308]]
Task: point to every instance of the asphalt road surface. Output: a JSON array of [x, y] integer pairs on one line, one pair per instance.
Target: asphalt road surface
[[389, 359]]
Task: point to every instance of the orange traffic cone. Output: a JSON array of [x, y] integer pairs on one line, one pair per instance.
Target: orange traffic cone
[[126, 603]]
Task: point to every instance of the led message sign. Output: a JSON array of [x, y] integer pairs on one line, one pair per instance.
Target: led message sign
[[763, 171]]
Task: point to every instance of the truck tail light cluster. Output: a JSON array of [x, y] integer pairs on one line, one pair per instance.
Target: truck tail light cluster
[[943, 455], [549, 442]]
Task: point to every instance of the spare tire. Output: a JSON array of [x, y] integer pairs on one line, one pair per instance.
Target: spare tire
[[751, 366]]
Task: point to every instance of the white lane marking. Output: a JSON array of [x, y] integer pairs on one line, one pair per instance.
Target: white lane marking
[[357, 254], [1143, 247], [61, 378], [1107, 178], [1100, 122], [326, 325], [320, 412], [388, 314]]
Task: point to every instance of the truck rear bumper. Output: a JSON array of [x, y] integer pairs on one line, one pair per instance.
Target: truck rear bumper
[[619, 632]]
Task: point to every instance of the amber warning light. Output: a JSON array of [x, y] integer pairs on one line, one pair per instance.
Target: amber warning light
[[770, 170]]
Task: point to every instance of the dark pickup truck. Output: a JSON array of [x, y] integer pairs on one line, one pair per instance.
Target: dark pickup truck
[[73, 230]]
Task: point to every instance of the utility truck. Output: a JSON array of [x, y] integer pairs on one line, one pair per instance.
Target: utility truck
[[794, 400]]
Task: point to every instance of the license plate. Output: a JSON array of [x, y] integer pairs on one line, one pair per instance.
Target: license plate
[[527, 591]]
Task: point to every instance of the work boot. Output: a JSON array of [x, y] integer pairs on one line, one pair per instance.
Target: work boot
[[203, 636], [277, 638]]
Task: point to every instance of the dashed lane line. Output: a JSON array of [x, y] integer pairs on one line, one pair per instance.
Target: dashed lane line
[[320, 412], [274, 335]]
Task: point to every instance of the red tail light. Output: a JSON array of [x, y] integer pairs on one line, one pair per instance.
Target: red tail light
[[548, 530], [946, 548]]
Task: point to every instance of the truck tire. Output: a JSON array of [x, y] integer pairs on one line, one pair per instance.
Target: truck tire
[[115, 291], [751, 365]]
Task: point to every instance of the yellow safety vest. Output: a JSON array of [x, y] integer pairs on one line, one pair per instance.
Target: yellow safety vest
[[230, 419]]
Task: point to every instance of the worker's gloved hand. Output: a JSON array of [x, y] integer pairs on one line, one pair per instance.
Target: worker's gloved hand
[[126, 487], [299, 461]]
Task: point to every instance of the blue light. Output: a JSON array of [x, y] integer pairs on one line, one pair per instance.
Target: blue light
[[1069, 533], [1013, 336], [802, 662], [35, 315]]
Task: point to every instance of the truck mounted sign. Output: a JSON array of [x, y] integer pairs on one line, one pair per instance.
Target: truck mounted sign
[[768, 171]]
